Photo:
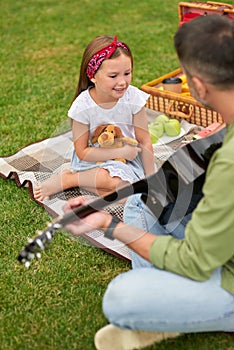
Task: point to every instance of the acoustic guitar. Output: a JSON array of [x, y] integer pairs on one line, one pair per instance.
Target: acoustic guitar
[[170, 193]]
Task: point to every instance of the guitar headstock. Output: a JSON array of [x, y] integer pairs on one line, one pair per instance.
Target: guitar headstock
[[37, 244]]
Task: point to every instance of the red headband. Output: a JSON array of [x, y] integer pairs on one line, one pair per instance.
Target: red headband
[[97, 59]]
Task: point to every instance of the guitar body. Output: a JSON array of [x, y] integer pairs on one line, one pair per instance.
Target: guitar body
[[171, 193], [176, 188]]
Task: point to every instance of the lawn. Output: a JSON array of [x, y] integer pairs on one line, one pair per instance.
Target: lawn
[[56, 303]]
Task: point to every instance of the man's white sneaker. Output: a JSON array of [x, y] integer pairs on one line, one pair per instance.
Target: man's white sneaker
[[114, 338]]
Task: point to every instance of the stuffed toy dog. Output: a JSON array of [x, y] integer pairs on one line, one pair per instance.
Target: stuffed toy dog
[[110, 136]]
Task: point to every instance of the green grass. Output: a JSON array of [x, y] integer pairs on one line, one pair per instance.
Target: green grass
[[56, 304]]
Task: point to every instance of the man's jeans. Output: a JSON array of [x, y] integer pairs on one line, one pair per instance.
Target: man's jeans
[[146, 298]]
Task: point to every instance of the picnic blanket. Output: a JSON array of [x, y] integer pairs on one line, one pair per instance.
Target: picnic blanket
[[37, 162]]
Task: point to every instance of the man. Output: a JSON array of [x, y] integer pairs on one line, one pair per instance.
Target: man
[[180, 285]]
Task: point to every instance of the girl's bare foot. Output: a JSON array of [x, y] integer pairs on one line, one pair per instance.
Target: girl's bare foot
[[92, 180], [56, 183]]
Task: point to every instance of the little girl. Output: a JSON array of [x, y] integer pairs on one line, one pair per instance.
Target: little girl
[[104, 96]]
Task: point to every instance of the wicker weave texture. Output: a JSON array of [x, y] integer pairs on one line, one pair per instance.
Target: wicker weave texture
[[183, 106]]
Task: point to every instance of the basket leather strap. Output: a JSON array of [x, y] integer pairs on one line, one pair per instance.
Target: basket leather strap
[[177, 113]]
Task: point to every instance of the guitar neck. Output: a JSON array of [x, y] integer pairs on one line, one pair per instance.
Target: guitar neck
[[140, 186]]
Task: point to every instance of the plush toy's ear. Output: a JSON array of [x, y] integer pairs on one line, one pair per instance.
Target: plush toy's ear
[[118, 132], [99, 130], [94, 139], [97, 133]]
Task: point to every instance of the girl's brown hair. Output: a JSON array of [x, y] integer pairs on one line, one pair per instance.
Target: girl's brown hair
[[94, 46]]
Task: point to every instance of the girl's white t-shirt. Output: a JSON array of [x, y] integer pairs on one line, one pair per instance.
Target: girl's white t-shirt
[[86, 111]]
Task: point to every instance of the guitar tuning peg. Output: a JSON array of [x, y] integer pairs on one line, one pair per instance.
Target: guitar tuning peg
[[57, 225], [27, 264], [38, 255], [38, 232], [30, 240], [30, 256]]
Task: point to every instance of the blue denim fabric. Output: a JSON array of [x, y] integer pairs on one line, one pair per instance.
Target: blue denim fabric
[[146, 298]]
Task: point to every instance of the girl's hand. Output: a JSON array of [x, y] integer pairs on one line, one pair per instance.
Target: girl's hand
[[129, 152], [98, 220]]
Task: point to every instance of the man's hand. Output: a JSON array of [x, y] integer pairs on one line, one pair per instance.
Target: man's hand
[[98, 220]]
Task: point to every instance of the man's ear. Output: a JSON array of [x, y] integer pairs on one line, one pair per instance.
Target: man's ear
[[200, 87]]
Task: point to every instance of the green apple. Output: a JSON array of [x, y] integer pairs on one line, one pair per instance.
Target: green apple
[[156, 130], [162, 118], [172, 127], [153, 138]]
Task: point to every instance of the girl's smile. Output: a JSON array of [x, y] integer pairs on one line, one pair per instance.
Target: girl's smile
[[112, 80]]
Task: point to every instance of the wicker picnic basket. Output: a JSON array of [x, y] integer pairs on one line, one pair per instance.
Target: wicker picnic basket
[[184, 106], [204, 8]]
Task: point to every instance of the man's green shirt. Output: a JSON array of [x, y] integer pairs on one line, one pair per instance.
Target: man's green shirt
[[209, 236]]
